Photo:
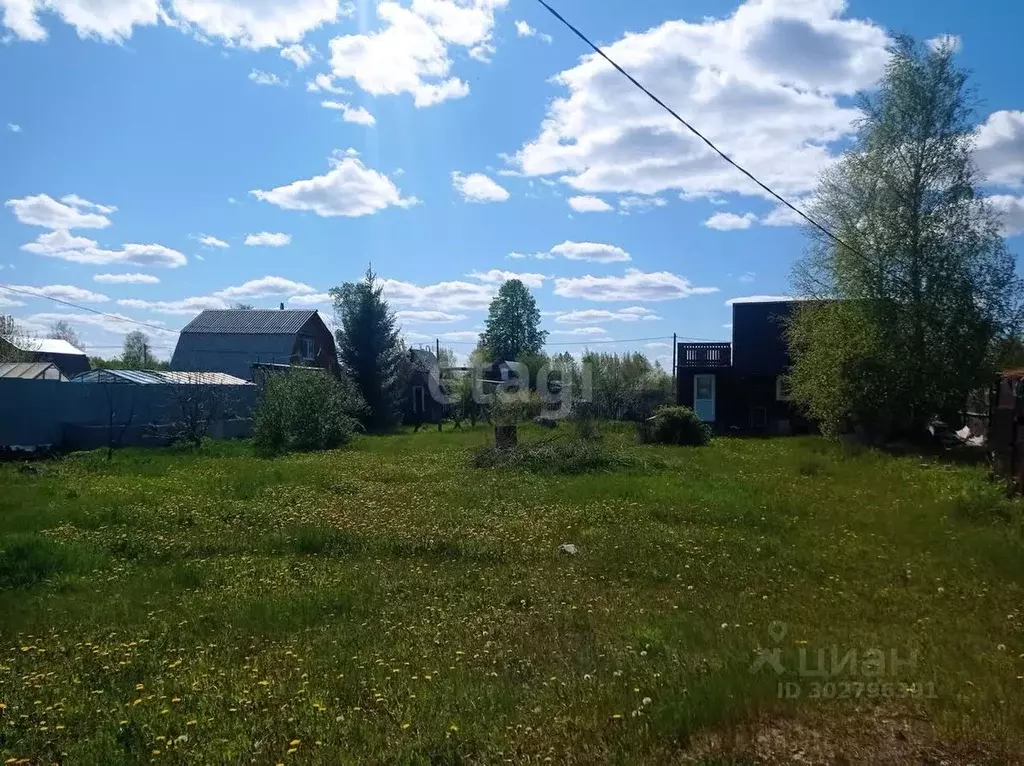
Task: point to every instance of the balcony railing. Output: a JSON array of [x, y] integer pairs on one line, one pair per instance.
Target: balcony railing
[[704, 355]]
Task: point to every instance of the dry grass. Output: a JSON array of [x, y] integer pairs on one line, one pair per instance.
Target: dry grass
[[391, 604]]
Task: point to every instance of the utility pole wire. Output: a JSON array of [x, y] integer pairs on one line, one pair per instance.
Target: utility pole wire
[[708, 141], [115, 317]]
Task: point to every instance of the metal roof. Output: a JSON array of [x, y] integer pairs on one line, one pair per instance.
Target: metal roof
[[258, 321], [160, 377], [29, 370], [45, 346]]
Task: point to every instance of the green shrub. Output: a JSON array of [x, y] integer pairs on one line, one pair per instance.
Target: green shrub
[[983, 503], [584, 418], [675, 425], [508, 409], [304, 410]]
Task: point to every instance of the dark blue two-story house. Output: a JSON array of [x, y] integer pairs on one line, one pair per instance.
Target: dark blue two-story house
[[743, 385]]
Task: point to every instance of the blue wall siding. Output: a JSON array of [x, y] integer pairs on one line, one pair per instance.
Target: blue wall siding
[[38, 412], [758, 337]]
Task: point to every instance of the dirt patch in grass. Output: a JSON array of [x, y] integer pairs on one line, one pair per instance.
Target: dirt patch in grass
[[881, 735]]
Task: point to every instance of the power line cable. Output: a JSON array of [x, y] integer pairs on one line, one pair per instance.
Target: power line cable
[[115, 317], [835, 238]]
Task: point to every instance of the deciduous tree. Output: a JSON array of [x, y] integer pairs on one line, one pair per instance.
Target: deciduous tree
[[512, 328], [136, 354], [919, 296], [62, 329]]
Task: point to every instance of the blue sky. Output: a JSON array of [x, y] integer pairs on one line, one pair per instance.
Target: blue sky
[[144, 143]]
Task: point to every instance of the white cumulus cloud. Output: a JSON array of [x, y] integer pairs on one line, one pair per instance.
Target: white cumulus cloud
[[596, 316], [260, 77], [589, 204], [730, 221], [61, 244], [596, 252], [999, 151], [767, 84], [63, 292], [300, 55], [72, 212], [409, 53], [588, 332], [497, 276], [442, 296], [208, 240], [349, 188], [414, 316], [266, 24], [311, 299], [235, 22], [1011, 209], [635, 285], [476, 187], [268, 239], [356, 114], [126, 279]]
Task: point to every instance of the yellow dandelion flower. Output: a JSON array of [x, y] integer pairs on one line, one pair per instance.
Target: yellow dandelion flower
[[295, 743], [156, 752], [291, 750], [139, 687], [406, 725], [453, 727]]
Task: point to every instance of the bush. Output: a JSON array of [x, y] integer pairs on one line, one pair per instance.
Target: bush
[[509, 409], [675, 425], [304, 410], [584, 418], [554, 456]]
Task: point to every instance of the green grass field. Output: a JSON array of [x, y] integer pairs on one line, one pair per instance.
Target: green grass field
[[389, 603]]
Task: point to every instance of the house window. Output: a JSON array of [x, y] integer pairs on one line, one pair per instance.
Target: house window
[[782, 388], [417, 400], [307, 349]]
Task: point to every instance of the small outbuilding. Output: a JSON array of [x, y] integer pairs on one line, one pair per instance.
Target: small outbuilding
[[31, 371], [160, 377], [421, 402], [69, 360]]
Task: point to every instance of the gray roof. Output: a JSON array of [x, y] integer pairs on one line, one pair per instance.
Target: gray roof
[[160, 377], [256, 321], [423, 356], [30, 370]]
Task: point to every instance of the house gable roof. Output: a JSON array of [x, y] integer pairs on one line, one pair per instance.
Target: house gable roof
[[254, 321], [45, 346]]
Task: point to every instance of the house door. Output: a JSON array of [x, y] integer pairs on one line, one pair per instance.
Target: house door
[[417, 400], [704, 397]]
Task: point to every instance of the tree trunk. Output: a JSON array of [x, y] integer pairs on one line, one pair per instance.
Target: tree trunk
[[505, 436]]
